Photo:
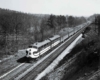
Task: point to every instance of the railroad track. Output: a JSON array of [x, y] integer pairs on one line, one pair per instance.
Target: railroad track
[[31, 74]]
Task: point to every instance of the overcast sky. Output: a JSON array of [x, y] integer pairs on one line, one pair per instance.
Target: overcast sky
[[58, 7]]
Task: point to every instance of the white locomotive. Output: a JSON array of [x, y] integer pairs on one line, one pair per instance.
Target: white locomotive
[[37, 49]]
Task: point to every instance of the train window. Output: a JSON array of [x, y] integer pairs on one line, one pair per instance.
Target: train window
[[34, 46], [30, 46], [45, 45], [42, 47]]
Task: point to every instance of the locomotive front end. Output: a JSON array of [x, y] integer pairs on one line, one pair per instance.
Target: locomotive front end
[[32, 52]]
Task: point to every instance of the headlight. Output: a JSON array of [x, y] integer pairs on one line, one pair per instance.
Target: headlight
[[29, 53]]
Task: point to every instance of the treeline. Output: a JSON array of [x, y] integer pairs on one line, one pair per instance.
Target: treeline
[[16, 22], [19, 29], [96, 21]]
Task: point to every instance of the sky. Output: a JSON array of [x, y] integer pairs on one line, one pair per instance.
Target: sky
[[57, 7]]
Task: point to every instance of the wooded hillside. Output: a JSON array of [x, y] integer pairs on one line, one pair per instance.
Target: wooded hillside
[[18, 30]]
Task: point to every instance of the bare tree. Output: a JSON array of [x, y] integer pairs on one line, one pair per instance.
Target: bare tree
[[43, 27], [52, 23]]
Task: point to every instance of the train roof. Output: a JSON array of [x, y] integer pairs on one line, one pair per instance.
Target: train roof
[[54, 37], [39, 44]]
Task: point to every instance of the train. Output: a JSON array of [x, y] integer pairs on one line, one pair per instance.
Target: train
[[37, 49]]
